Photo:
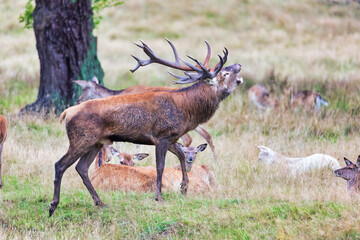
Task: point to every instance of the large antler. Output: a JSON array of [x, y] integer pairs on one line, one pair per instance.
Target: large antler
[[201, 69]]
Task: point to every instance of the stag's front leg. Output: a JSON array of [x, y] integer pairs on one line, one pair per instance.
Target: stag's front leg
[[160, 152], [83, 169], [176, 149]]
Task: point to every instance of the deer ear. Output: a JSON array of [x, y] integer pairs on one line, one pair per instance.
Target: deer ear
[[347, 161], [201, 147], [180, 145], [95, 80], [358, 161], [140, 156], [115, 152], [82, 83]]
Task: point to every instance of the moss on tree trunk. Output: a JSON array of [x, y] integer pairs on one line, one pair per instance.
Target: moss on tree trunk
[[67, 51]]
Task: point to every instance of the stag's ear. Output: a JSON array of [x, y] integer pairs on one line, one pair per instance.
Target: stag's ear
[[347, 161], [95, 80], [140, 156], [358, 161], [201, 147]]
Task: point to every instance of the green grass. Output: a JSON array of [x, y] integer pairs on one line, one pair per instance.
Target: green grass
[[24, 210]]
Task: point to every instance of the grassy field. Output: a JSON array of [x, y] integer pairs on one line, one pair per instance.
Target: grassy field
[[306, 44]]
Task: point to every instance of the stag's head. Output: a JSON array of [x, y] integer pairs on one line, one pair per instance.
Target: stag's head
[[223, 79], [350, 171]]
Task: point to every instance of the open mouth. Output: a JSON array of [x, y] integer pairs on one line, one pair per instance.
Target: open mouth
[[239, 80]]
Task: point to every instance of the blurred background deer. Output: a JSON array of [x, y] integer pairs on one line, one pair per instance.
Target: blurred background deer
[[297, 165]]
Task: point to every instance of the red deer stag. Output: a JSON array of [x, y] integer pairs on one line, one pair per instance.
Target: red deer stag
[[142, 179], [157, 118], [351, 174], [3, 134], [93, 90]]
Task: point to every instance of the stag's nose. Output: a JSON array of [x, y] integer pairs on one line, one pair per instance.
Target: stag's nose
[[336, 172], [190, 159]]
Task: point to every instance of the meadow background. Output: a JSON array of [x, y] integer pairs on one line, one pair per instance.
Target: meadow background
[[309, 44]]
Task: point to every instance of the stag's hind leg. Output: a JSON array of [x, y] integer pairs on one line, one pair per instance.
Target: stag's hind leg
[[176, 149], [83, 168], [60, 167]]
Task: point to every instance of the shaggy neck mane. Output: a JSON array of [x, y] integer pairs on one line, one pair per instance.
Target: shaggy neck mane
[[199, 100]]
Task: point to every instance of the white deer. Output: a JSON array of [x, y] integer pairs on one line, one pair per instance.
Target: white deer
[[298, 165]]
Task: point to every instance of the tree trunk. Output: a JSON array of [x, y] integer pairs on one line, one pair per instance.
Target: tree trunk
[[67, 51]]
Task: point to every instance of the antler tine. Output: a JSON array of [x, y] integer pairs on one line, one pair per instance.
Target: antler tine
[[222, 61], [206, 62], [153, 58], [177, 59], [183, 80], [139, 64]]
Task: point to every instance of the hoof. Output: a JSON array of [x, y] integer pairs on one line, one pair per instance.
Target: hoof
[[159, 199], [52, 208], [101, 204], [184, 189]]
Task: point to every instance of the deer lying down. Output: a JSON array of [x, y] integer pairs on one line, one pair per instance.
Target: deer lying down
[[106, 153], [94, 90], [3, 134], [260, 97], [298, 165], [143, 179], [351, 174], [309, 100]]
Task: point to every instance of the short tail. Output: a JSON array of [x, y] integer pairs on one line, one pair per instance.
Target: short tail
[[62, 116]]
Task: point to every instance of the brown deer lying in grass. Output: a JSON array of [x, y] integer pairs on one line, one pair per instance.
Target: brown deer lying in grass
[[260, 97], [351, 174], [127, 159], [309, 100], [3, 134], [157, 118], [93, 90], [124, 177]]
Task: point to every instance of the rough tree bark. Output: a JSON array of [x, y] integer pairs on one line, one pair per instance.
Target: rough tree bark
[[67, 51]]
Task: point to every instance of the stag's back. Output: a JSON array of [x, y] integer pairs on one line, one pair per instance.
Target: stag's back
[[3, 129]]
